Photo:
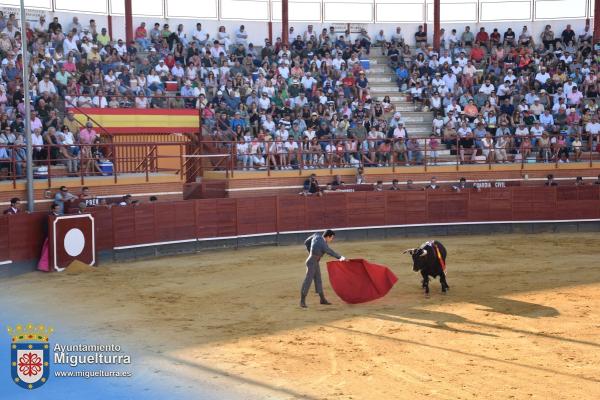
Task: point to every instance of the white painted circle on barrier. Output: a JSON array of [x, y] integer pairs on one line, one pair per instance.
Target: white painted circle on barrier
[[74, 242]]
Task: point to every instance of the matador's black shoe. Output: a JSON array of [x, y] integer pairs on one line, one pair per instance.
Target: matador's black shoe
[[324, 301], [303, 302]]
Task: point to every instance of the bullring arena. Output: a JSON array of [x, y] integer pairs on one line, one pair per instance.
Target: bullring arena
[[520, 321], [174, 175]]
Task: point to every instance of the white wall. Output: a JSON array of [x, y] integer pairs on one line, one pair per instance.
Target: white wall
[[258, 30]]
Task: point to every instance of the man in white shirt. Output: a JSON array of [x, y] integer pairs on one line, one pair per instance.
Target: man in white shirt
[[200, 35], [70, 44], [300, 101], [456, 68], [586, 33], [510, 76], [547, 120], [537, 108], [568, 86], [449, 80], [308, 33], [46, 85], [445, 58], [241, 36], [560, 105], [522, 130], [75, 25], [454, 107], [504, 89], [264, 102], [536, 130], [462, 60], [542, 76], [452, 38], [437, 80], [281, 133], [566, 57], [269, 124], [86, 45], [487, 88], [178, 70], [575, 96], [99, 101], [338, 62], [121, 48], [307, 82], [397, 36], [161, 69], [41, 27], [283, 70], [593, 127]]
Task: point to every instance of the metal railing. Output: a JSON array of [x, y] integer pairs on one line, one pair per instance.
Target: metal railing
[[188, 160], [390, 152], [85, 161]]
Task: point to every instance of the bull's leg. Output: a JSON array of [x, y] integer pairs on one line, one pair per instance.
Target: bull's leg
[[425, 282], [445, 286]]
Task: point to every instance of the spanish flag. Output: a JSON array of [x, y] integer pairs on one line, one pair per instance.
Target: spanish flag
[[140, 121]]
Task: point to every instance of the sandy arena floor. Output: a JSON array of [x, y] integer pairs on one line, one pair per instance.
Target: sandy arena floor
[[521, 321]]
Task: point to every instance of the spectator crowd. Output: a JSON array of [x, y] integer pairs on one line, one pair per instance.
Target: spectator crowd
[[497, 97]]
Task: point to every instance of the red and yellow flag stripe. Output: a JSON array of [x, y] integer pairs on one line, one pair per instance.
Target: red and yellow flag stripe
[[141, 121]]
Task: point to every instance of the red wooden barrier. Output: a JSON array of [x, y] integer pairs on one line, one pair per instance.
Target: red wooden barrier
[[21, 235]]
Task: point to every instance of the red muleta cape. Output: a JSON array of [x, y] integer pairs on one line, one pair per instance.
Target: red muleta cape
[[358, 281]]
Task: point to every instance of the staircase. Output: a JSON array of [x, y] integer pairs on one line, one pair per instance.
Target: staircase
[[382, 81]]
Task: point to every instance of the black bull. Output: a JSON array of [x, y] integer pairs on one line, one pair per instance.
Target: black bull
[[427, 260]]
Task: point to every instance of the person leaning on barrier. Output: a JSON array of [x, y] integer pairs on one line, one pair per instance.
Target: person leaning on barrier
[[14, 207], [311, 186]]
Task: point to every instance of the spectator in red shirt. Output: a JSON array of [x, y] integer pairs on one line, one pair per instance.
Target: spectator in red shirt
[[141, 36], [477, 52], [495, 37], [482, 38]]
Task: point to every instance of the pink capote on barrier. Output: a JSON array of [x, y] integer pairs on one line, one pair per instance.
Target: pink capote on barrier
[[358, 281], [44, 262]]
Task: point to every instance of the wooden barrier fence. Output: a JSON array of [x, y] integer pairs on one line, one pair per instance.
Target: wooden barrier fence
[[21, 235]]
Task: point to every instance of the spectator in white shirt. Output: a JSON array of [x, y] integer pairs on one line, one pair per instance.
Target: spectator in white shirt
[[161, 69], [397, 36], [70, 44], [121, 48], [99, 101], [178, 70], [200, 35], [308, 82], [46, 85], [542, 76], [487, 88], [241, 36], [546, 119], [75, 25], [264, 102], [449, 80], [593, 127]]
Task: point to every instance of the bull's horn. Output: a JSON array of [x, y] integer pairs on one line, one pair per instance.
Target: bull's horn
[[410, 251]]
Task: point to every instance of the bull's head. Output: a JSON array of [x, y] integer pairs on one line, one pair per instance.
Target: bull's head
[[418, 255]]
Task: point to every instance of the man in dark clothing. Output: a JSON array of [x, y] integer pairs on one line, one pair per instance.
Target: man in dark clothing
[[550, 181], [14, 207], [317, 246], [311, 186]]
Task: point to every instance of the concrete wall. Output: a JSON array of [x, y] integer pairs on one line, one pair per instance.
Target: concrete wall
[[258, 30]]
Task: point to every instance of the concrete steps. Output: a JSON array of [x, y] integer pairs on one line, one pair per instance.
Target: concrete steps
[[382, 82]]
